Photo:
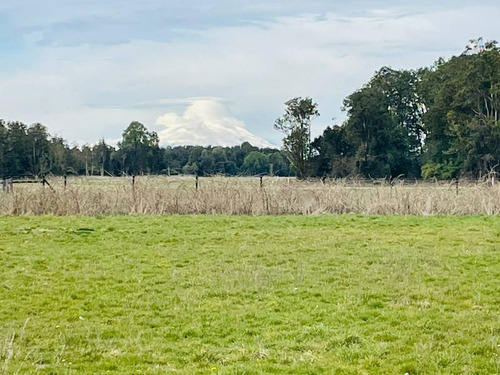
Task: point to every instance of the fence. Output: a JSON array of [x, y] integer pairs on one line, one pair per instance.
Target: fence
[[8, 184], [254, 195]]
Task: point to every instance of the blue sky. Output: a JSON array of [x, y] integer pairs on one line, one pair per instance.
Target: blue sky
[[211, 72]]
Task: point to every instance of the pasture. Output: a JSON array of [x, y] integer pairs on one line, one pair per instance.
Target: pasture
[[159, 195], [218, 294]]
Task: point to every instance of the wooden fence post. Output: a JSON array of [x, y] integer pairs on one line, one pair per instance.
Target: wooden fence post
[[261, 182], [456, 185], [196, 183], [65, 182]]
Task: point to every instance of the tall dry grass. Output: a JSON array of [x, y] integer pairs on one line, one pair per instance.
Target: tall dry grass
[[244, 196]]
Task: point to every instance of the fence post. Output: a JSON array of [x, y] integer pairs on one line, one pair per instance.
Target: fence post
[[133, 181], [261, 183], [456, 185], [196, 183], [65, 182]]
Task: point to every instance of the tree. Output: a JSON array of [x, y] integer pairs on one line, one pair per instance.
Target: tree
[[60, 155], [207, 162], [174, 159], [27, 150], [38, 136], [255, 163], [296, 125], [220, 159], [138, 145], [18, 151], [88, 158], [280, 164], [384, 125], [3, 150], [334, 153], [103, 154], [190, 168], [462, 121]]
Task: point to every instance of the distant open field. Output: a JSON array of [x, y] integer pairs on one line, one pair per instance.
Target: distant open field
[[249, 295], [244, 195]]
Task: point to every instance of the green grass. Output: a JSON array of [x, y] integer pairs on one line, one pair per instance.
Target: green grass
[[243, 295]]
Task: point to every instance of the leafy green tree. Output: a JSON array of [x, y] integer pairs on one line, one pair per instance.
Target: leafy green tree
[[334, 153], [88, 159], [18, 151], [384, 125], [220, 159], [255, 163], [296, 125], [139, 146], [174, 159], [247, 147], [461, 96], [280, 164], [191, 168], [237, 155], [207, 162], [38, 137], [3, 150], [60, 156], [103, 155]]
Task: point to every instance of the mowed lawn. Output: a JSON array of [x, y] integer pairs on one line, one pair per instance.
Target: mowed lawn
[[250, 295]]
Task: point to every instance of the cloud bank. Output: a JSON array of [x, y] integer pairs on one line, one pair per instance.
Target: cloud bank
[[206, 121], [86, 84]]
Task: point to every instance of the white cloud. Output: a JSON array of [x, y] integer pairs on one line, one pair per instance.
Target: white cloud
[[206, 121]]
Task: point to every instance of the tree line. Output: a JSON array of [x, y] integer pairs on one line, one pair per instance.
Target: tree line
[[440, 122], [31, 151], [436, 122]]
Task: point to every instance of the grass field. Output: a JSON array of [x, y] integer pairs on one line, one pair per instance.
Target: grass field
[[178, 195], [250, 295]]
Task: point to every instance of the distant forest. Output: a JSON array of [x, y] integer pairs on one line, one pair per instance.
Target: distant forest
[[436, 122], [30, 150]]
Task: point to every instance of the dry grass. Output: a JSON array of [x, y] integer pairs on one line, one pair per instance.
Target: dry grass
[[236, 196]]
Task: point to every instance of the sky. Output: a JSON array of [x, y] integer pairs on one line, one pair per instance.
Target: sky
[[214, 71]]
